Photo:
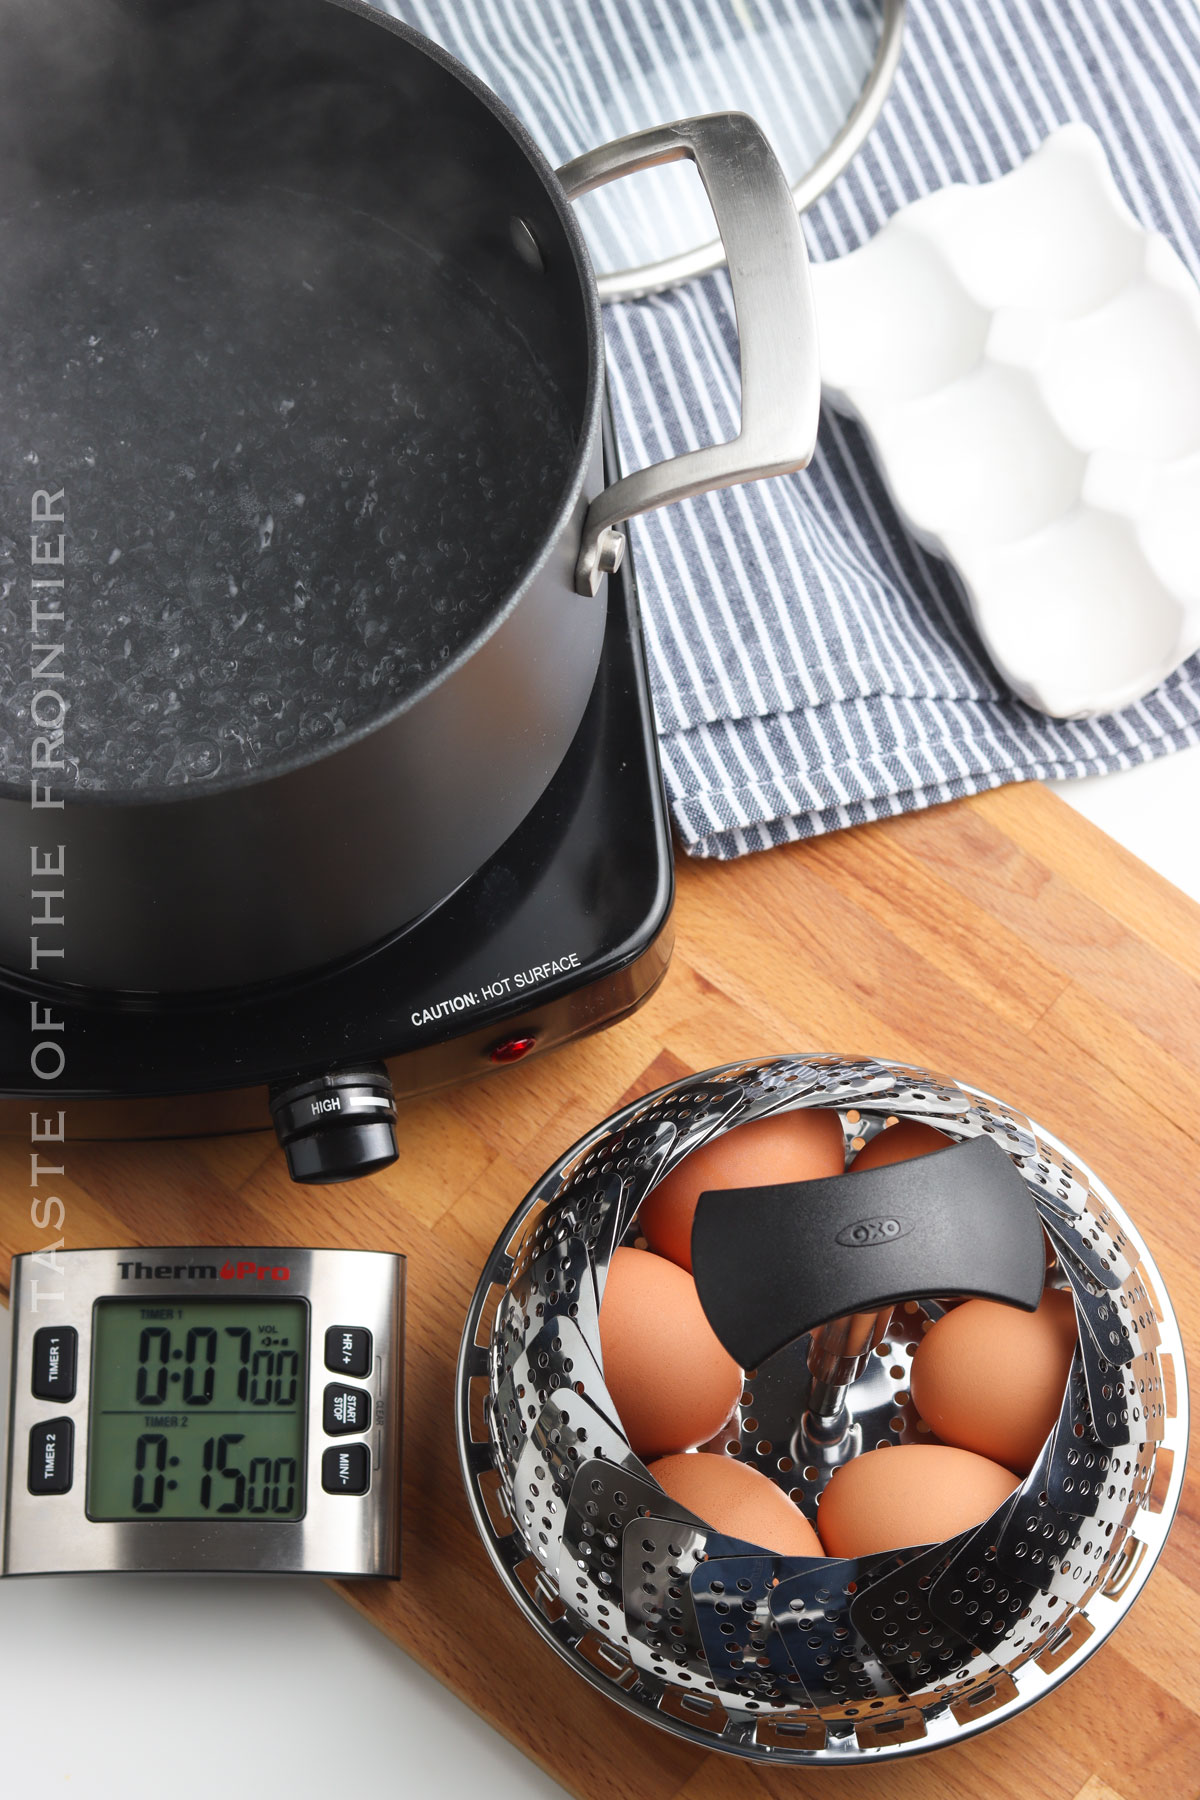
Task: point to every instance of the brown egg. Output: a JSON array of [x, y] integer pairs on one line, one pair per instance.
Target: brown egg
[[789, 1146], [899, 1143], [908, 1494], [737, 1500], [991, 1378], [671, 1380]]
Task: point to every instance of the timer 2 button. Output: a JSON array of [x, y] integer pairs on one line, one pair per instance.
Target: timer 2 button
[[51, 1457]]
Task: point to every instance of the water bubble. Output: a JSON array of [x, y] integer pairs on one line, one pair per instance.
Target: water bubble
[[197, 760]]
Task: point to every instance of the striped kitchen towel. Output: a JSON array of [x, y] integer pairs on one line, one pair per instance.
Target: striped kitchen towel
[[812, 665]]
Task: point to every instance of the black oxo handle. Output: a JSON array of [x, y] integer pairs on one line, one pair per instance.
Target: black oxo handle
[[773, 1262]]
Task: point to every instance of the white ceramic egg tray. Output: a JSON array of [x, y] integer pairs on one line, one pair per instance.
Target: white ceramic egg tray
[[1025, 357]]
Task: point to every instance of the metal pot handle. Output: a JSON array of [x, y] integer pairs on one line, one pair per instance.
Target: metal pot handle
[[772, 295]]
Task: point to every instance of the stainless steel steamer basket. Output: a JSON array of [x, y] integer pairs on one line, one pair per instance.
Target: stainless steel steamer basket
[[830, 1663]]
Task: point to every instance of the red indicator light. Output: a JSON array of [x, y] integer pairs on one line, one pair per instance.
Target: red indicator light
[[511, 1049]]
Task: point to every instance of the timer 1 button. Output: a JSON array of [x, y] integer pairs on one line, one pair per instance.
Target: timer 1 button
[[346, 1469], [348, 1350], [55, 1352], [51, 1456], [346, 1409]]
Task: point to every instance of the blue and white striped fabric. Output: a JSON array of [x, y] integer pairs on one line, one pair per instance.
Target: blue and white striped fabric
[[812, 666]]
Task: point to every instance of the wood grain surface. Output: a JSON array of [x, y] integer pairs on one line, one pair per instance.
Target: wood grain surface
[[1001, 940]]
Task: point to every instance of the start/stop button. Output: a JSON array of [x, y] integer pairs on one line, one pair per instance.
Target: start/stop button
[[346, 1409]]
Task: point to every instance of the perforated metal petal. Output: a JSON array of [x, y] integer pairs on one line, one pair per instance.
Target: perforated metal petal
[[970, 1594], [658, 1556], [732, 1597], [568, 1432], [890, 1612], [811, 1609], [1080, 1463], [1098, 1312], [609, 1496], [553, 1276], [555, 1357], [1127, 1403]]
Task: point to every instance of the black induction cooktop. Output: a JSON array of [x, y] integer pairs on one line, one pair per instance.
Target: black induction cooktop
[[562, 932]]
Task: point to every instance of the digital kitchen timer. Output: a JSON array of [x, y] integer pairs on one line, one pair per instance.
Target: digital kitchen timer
[[210, 1410]]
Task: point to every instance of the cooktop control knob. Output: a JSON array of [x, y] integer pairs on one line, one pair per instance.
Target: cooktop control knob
[[336, 1126]]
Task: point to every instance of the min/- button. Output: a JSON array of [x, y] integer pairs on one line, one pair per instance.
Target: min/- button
[[347, 1409], [346, 1469], [51, 1456], [348, 1350], [55, 1355]]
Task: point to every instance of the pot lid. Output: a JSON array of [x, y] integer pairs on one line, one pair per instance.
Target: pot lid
[[814, 73]]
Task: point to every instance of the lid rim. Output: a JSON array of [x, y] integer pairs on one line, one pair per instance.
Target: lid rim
[[657, 277]]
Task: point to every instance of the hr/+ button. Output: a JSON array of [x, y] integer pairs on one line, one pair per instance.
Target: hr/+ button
[[348, 1350]]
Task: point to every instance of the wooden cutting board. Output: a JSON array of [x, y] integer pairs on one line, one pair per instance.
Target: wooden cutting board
[[1002, 940]]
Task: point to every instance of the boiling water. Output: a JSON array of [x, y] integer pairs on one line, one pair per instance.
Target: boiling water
[[302, 461]]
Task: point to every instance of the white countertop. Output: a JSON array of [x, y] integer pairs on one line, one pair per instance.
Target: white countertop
[[194, 1687]]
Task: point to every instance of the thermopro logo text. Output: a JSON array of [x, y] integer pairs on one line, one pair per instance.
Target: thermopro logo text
[[229, 1271]]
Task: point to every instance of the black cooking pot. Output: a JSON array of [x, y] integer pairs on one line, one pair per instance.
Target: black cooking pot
[[301, 372]]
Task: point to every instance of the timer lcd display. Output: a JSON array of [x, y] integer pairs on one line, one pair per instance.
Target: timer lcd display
[[198, 1410]]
